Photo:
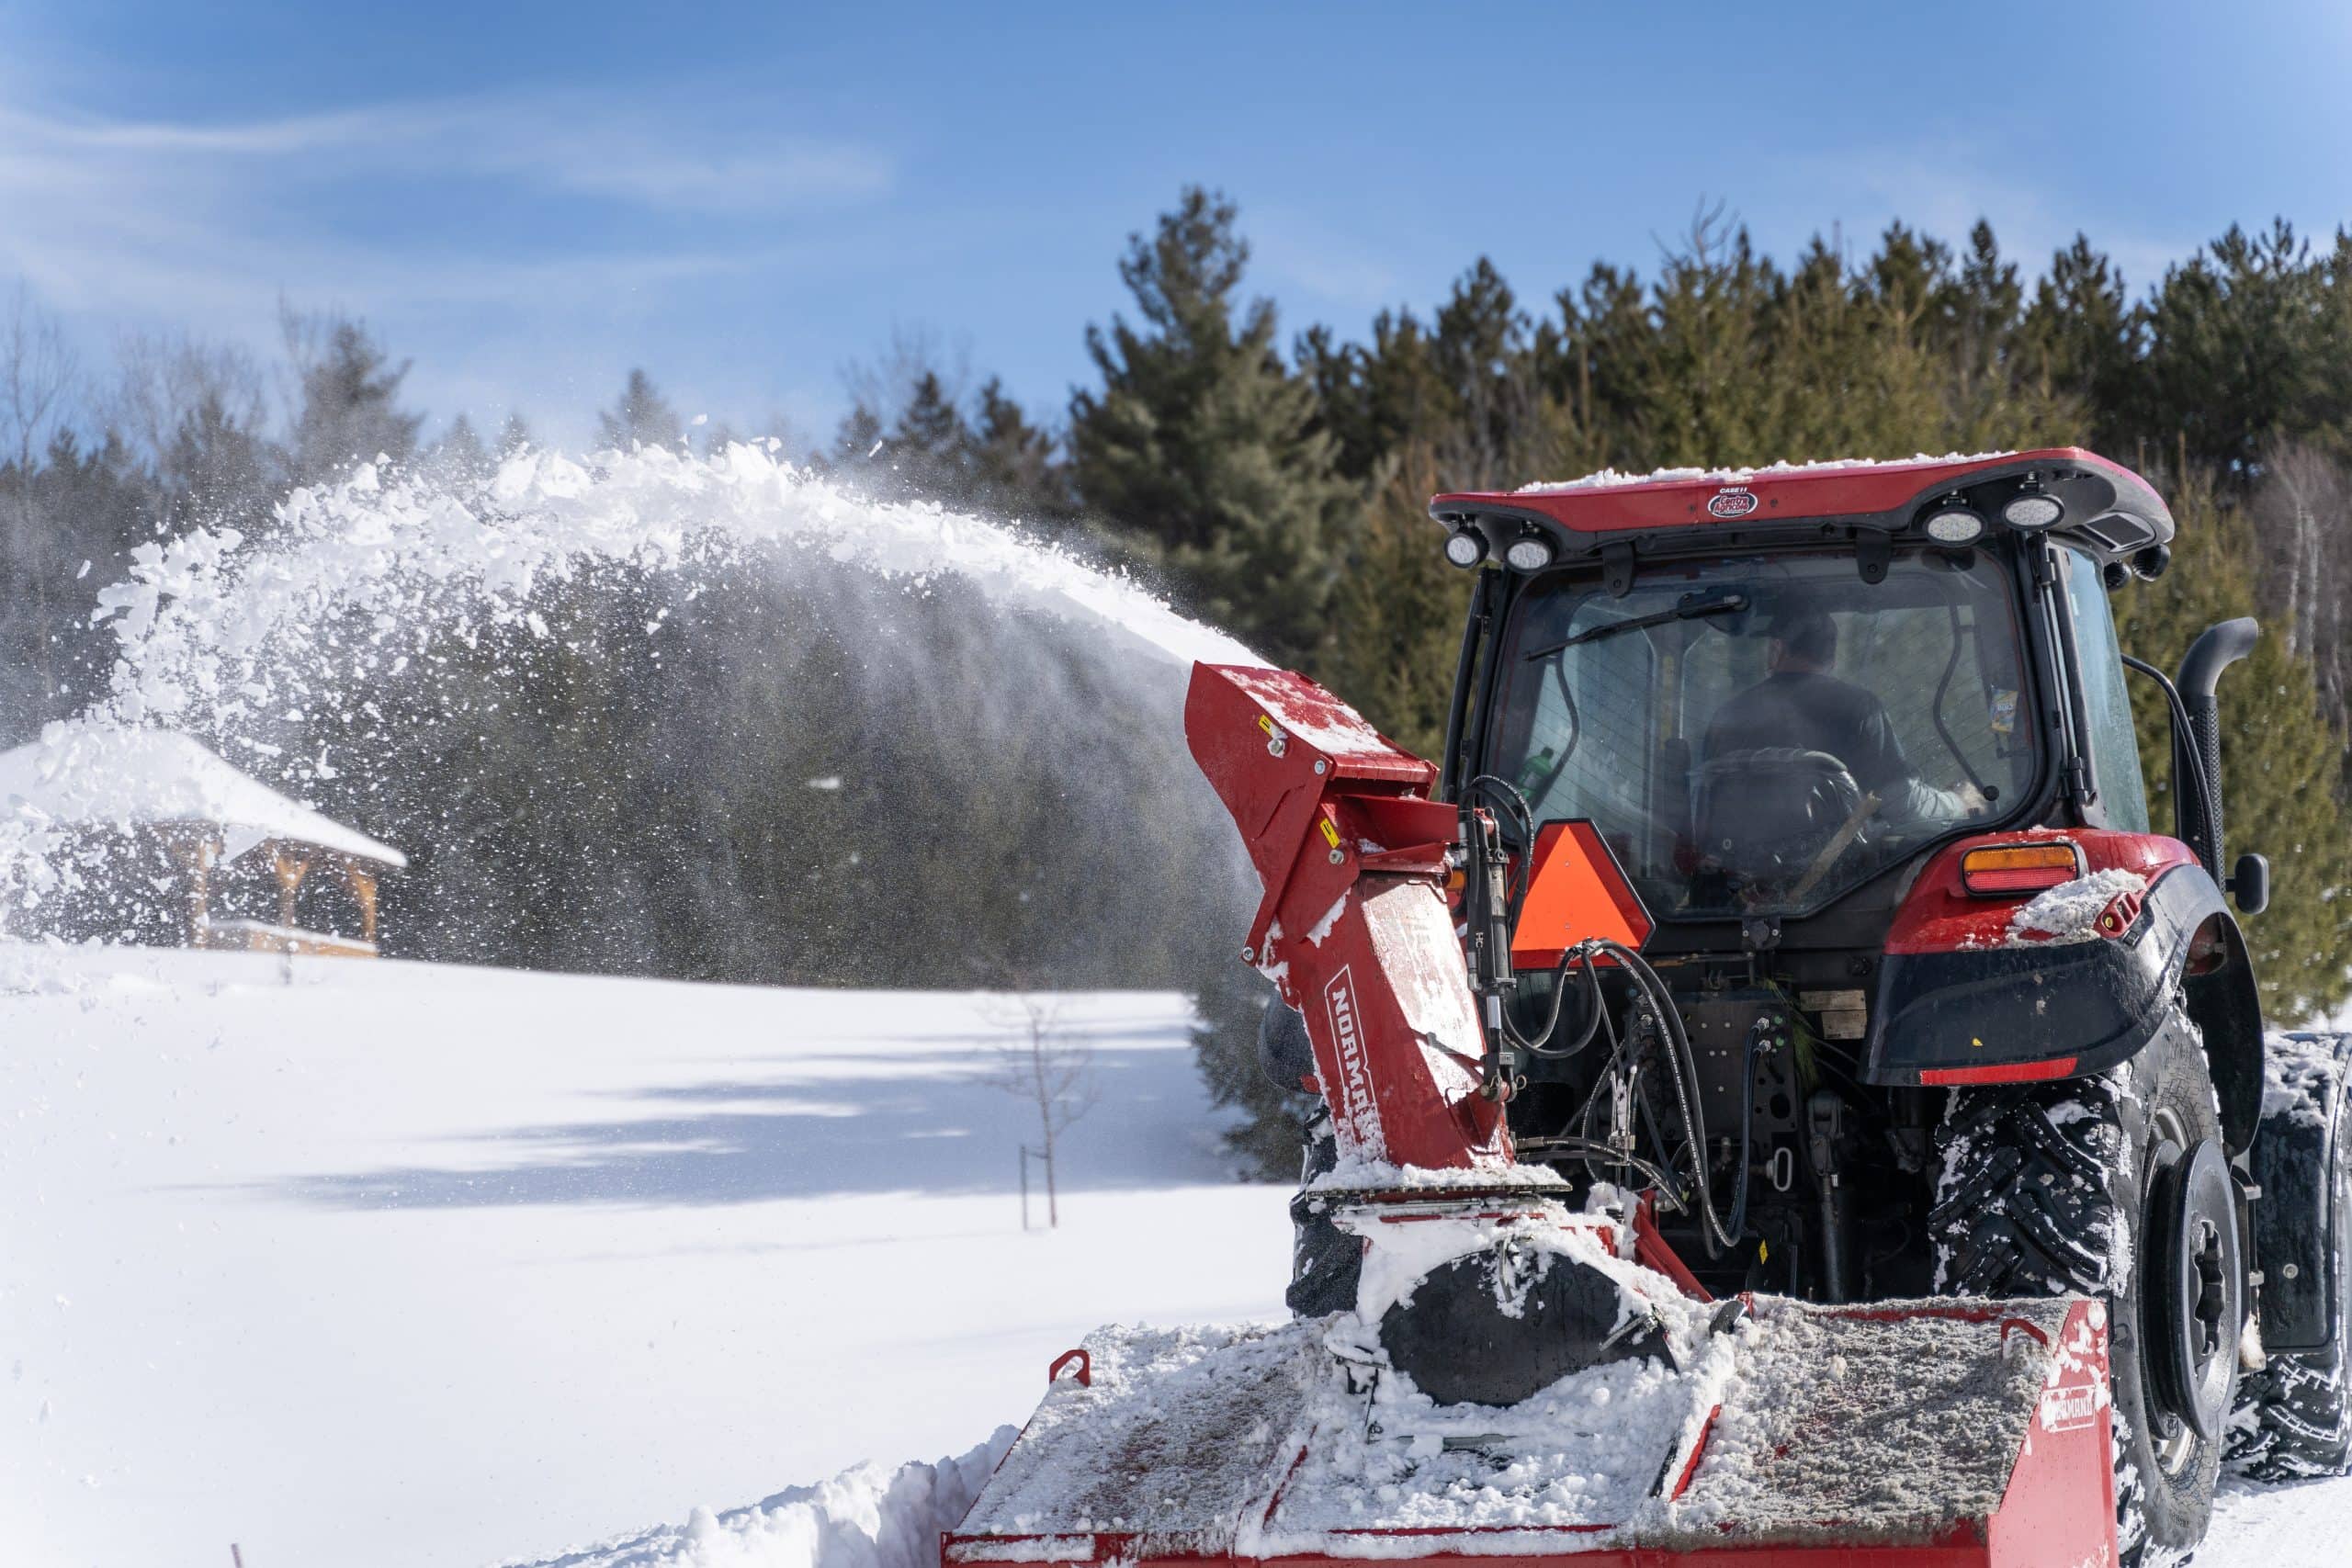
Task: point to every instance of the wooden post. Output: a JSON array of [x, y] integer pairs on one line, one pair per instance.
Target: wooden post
[[290, 868], [362, 882], [193, 848]]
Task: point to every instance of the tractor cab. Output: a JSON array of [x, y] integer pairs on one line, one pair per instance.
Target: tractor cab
[[1772, 692]]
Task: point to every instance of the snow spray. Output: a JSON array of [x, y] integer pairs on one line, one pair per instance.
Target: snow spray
[[262, 645]]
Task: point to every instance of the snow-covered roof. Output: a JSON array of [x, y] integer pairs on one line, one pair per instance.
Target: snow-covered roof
[[87, 773], [1612, 478]]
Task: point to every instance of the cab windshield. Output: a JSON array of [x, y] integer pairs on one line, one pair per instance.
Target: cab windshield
[[1758, 734]]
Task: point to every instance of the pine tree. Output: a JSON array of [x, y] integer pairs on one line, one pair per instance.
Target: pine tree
[[931, 446], [1397, 613], [642, 417], [460, 453], [1201, 446], [2281, 757], [350, 392], [1013, 466], [216, 470]]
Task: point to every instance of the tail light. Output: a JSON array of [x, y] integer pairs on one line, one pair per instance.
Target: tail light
[[2003, 870]]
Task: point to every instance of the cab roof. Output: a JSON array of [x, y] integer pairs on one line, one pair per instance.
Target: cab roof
[[2109, 510]]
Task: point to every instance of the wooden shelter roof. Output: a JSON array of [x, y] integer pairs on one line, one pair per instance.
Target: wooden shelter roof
[[87, 773]]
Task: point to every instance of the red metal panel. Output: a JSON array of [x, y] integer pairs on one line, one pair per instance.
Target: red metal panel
[[1781, 495], [1940, 914], [2059, 1507], [1353, 930]]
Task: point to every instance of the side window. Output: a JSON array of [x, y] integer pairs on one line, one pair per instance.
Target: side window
[[1589, 729], [2115, 749]]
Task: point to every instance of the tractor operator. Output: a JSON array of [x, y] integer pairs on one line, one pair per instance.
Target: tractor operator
[[1801, 705]]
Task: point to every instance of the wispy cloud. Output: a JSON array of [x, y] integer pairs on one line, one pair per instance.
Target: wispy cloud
[[671, 157]]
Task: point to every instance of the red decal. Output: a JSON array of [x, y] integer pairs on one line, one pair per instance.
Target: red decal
[[1733, 501]]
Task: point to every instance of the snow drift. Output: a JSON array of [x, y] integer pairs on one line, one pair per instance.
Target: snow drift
[[867, 1517]]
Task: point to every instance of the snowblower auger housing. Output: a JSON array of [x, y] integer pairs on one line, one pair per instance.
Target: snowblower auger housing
[[1783, 1026]]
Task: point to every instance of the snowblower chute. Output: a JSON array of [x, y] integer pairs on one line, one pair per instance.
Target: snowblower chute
[[1762, 1061]]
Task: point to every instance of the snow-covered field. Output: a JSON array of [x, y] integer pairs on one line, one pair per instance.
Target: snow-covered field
[[360, 1264], [388, 1264]]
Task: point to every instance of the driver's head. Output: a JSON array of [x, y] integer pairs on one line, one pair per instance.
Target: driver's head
[[1805, 643]]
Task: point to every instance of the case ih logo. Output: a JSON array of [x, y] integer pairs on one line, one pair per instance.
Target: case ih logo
[[1733, 501], [1356, 1106]]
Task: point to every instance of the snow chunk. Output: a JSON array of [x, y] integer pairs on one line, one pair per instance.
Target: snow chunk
[[2069, 913], [2297, 1071]]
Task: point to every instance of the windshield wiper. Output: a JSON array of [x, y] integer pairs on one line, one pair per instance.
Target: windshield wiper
[[1691, 606]]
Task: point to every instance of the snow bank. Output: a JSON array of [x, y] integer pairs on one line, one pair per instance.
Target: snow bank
[[867, 1517], [385, 1264]]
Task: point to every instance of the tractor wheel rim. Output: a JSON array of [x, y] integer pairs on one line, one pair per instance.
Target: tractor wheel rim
[[2187, 1299], [2170, 1440]]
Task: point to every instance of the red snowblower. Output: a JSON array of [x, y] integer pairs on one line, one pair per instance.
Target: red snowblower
[[1782, 1104]]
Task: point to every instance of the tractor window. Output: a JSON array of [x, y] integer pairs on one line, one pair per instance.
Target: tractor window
[[1758, 734], [2114, 744]]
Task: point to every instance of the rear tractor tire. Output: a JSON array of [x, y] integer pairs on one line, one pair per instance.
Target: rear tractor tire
[[2114, 1187], [2294, 1416]]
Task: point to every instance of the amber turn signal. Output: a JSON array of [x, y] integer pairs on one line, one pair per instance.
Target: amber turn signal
[[2005, 871]]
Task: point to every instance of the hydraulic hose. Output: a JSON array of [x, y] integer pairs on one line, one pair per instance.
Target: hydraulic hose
[[1718, 1236]]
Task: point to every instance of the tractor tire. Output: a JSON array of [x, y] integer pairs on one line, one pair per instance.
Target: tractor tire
[[2045, 1190], [2294, 1417]]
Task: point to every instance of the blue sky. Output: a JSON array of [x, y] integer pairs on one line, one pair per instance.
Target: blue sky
[[530, 198]]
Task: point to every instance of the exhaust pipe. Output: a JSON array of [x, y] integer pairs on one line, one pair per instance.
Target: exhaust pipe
[[2219, 647]]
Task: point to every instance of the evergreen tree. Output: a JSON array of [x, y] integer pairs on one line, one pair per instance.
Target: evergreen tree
[[1013, 461], [217, 471], [460, 453], [2082, 341], [931, 447], [1399, 612], [2248, 344], [349, 412], [2282, 759], [1229, 1001], [642, 417], [1201, 447]]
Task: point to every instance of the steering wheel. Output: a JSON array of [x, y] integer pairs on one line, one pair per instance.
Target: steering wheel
[[1767, 815]]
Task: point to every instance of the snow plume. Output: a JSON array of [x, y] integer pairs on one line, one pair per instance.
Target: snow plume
[[437, 660], [865, 1517], [209, 622]]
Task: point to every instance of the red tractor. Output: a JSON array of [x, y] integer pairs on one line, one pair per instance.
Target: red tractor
[[1779, 1008]]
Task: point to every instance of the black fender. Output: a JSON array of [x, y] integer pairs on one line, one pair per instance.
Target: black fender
[[1979, 1010], [2294, 1234]]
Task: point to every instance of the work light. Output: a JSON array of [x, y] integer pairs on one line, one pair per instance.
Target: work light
[[1466, 548], [2032, 510], [1531, 554], [1955, 525]]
